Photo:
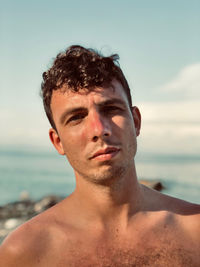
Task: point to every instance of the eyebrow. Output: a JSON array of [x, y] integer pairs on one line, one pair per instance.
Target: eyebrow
[[112, 101], [108, 102]]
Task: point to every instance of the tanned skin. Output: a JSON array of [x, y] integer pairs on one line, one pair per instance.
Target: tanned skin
[[110, 219]]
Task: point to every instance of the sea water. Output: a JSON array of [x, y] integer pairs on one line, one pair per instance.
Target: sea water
[[41, 173]]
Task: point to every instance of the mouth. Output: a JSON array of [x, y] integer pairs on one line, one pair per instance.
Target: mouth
[[105, 154]]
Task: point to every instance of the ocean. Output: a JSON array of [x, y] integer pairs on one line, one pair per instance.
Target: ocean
[[41, 172]]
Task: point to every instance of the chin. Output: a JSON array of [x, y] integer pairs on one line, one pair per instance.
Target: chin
[[107, 176]]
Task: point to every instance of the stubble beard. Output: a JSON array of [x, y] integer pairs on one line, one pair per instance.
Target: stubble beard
[[106, 176], [109, 174]]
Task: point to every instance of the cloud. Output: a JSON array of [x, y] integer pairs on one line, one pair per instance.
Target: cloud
[[173, 112], [173, 127], [170, 128], [186, 83]]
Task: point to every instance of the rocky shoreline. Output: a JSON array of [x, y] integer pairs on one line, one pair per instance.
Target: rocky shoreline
[[14, 214]]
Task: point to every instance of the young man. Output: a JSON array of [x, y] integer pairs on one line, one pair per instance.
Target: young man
[[110, 219]]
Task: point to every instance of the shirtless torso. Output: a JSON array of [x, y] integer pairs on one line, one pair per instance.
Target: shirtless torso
[[168, 237]]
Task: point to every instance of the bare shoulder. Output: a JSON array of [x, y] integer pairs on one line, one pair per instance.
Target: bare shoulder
[[25, 244], [177, 213], [174, 225], [183, 219], [188, 217], [183, 209], [37, 241], [30, 243]]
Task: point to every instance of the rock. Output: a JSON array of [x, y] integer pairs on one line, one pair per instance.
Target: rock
[[7, 226], [3, 232], [46, 203], [12, 223], [17, 209], [27, 208], [24, 196], [14, 214], [153, 184]]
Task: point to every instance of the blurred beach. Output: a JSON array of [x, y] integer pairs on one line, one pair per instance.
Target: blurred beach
[[40, 173]]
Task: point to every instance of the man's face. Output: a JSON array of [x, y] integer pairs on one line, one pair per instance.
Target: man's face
[[96, 131]]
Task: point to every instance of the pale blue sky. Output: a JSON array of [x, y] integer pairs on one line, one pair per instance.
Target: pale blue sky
[[156, 40]]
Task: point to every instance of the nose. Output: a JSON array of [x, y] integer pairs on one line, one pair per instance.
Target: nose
[[99, 126]]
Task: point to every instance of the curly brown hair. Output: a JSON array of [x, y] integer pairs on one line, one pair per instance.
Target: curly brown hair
[[77, 68]]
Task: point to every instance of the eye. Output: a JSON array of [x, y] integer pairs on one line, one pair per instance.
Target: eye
[[76, 118]]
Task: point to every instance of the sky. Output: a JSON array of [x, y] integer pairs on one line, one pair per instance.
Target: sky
[[158, 44]]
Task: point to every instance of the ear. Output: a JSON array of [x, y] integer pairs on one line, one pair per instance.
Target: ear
[[55, 139], [137, 119]]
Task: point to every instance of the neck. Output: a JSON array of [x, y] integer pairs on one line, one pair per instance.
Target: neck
[[116, 202]]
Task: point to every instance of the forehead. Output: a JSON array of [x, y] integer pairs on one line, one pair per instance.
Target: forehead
[[67, 98]]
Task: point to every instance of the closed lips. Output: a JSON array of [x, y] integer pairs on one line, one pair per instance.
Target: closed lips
[[105, 151]]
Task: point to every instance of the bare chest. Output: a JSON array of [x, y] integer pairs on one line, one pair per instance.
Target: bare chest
[[151, 248], [119, 256]]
